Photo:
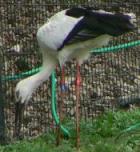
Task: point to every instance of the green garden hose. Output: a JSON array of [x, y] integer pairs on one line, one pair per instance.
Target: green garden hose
[[21, 75], [129, 129], [54, 113], [96, 51], [116, 47]]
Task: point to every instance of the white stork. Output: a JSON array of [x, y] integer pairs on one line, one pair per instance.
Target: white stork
[[72, 33]]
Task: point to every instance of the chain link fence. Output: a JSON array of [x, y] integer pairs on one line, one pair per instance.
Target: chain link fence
[[108, 80]]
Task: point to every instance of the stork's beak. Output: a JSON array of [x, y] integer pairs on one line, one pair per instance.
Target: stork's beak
[[17, 96], [19, 110]]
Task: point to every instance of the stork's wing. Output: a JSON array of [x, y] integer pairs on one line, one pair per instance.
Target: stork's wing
[[80, 32], [83, 35], [96, 23]]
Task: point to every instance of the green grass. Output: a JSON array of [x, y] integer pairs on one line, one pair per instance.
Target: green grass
[[98, 136]]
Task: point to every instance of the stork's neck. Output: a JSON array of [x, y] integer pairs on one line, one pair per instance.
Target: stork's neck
[[40, 77], [36, 80]]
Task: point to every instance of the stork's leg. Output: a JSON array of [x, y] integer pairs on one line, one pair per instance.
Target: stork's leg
[[63, 90], [61, 103], [78, 83]]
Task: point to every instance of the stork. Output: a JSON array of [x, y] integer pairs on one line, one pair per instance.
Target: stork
[[72, 33]]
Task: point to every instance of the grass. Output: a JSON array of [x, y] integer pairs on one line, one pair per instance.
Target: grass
[[98, 136]]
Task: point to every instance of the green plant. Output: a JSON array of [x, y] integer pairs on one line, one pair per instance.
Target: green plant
[[96, 136]]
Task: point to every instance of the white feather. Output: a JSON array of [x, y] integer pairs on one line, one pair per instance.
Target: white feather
[[53, 33], [50, 37], [15, 48], [27, 86], [81, 51]]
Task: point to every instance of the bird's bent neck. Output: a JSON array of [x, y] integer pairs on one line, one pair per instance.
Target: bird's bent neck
[[36, 80]]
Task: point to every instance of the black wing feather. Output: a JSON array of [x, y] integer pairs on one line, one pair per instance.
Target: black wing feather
[[96, 23]]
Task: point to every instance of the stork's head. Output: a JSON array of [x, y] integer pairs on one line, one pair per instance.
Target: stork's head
[[24, 90]]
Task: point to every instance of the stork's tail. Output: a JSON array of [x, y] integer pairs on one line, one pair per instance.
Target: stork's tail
[[115, 24]]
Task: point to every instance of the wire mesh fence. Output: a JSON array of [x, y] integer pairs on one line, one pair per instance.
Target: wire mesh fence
[[108, 79]]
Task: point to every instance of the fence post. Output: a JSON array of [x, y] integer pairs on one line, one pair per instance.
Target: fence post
[[2, 118]]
